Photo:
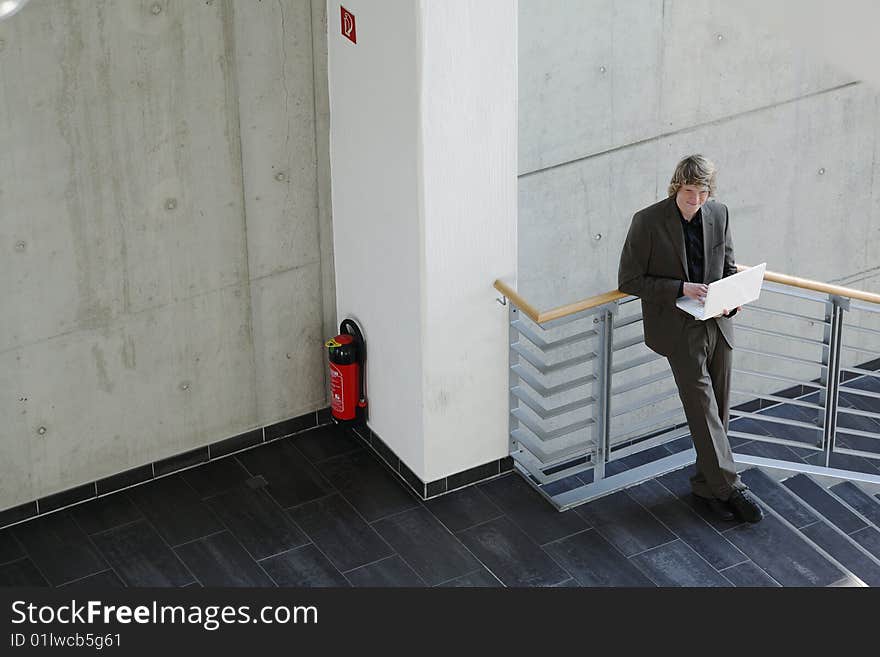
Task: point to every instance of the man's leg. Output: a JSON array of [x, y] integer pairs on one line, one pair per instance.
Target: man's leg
[[716, 472]]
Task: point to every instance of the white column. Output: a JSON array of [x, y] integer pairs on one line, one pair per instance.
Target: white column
[[423, 143]]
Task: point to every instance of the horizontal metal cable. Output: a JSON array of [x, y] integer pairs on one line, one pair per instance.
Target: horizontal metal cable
[[631, 342], [773, 439], [548, 391], [792, 359], [777, 377], [547, 436], [861, 328], [647, 401], [776, 334], [549, 345], [783, 400], [861, 349], [547, 413], [543, 367], [636, 362], [627, 321], [858, 391], [774, 419], [661, 419], [773, 311], [639, 383], [550, 457]]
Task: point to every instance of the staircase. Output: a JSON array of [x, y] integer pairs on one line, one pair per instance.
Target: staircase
[[813, 533]]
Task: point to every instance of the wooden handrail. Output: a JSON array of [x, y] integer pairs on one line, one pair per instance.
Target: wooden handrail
[[613, 295], [815, 286]]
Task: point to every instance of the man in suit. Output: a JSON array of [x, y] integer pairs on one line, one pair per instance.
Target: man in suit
[[675, 248]]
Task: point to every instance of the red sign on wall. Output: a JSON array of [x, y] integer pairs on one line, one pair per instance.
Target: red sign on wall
[[348, 28]]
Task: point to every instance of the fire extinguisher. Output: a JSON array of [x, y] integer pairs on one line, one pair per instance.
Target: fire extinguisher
[[347, 353]]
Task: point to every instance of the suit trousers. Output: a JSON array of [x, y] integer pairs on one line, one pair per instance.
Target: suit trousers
[[702, 369]]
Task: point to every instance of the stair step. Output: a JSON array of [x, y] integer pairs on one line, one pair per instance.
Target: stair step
[[784, 554], [825, 504], [841, 548], [858, 500], [773, 494]]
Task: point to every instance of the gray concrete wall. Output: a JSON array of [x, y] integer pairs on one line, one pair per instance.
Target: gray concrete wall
[[165, 225], [613, 93]]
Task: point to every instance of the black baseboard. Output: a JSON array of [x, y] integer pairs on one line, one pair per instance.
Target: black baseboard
[[149, 471], [438, 487]]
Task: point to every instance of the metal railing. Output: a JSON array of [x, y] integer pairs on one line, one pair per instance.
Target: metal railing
[[593, 410]]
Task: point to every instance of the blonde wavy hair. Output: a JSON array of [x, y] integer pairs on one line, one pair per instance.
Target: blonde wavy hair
[[694, 170]]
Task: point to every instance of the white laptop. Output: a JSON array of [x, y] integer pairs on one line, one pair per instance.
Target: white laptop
[[728, 293]]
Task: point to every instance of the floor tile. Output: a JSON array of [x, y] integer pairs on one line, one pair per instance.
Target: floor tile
[[624, 523], [427, 546], [326, 442], [845, 552], [858, 500], [10, 548], [22, 572], [102, 580], [869, 539], [511, 555], [216, 477], [368, 485], [292, 479], [220, 560], [782, 554], [531, 512], [773, 494], [105, 513], [593, 561], [256, 520], [676, 564], [477, 579], [386, 573], [747, 574], [140, 557], [59, 548], [464, 508], [191, 518], [824, 503], [686, 524], [340, 532], [303, 567]]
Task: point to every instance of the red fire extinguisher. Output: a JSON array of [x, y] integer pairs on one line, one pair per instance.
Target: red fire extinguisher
[[347, 353]]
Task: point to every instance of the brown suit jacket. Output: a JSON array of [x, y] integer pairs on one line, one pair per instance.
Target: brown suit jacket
[[653, 263]]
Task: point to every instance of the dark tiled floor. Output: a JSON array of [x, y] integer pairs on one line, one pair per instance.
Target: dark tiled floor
[[318, 509]]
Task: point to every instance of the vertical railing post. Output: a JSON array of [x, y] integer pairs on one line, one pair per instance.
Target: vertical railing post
[[513, 379], [602, 390], [830, 376]]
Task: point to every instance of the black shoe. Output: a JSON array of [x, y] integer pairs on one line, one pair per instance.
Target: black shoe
[[745, 506], [715, 506]]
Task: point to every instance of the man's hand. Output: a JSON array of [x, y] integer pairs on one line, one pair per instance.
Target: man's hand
[[697, 291], [725, 312]]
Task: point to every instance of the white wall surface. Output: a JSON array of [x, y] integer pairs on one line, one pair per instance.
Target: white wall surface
[[469, 148], [423, 152], [377, 214]]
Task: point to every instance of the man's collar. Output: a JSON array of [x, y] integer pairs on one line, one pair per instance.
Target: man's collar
[[696, 220]]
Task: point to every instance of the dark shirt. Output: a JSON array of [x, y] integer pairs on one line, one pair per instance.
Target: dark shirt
[[693, 245], [693, 248]]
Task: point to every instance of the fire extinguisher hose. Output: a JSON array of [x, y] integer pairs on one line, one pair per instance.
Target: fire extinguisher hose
[[348, 326]]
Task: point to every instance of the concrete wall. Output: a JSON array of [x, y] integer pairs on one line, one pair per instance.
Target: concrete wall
[[613, 93], [166, 229], [424, 202]]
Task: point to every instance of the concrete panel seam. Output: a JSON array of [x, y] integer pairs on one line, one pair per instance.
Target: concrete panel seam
[[691, 128]]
